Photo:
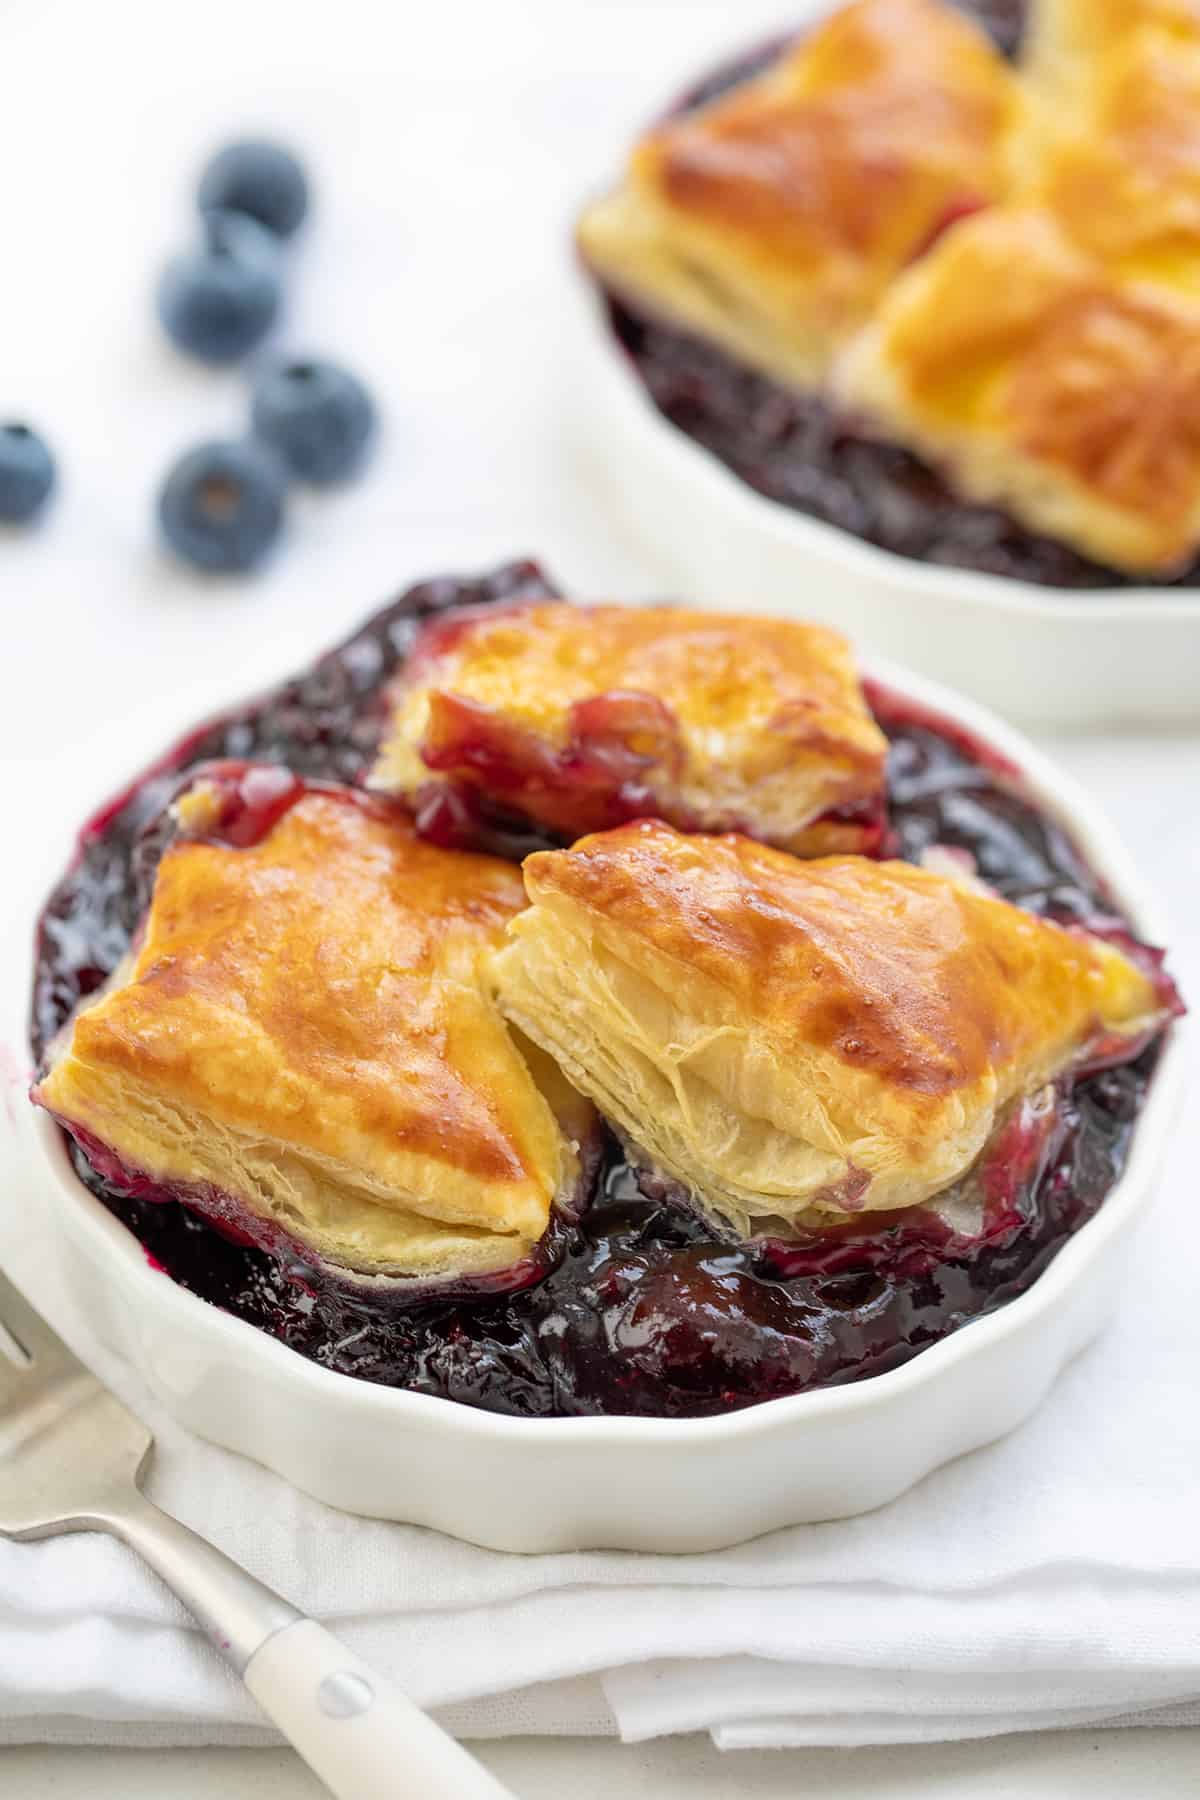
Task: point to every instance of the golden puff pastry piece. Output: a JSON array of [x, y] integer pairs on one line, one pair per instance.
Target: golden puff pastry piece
[[772, 219], [579, 717], [797, 1041], [1064, 39], [1121, 170], [1043, 384], [303, 1045]]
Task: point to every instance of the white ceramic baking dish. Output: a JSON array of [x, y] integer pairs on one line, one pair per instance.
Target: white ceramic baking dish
[[1048, 656], [641, 1484]]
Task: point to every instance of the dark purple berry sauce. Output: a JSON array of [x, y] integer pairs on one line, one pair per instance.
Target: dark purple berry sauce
[[647, 1311], [797, 450]]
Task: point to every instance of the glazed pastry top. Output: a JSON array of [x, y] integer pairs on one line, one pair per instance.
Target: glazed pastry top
[[776, 217], [304, 1028], [799, 1040], [579, 717]]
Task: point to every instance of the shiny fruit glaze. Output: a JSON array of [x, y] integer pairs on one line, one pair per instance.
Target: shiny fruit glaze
[[620, 751], [646, 1310]]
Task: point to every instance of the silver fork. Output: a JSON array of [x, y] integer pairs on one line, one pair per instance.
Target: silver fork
[[72, 1458]]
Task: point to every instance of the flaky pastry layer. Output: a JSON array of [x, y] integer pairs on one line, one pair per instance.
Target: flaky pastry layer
[[797, 1041], [305, 1029]]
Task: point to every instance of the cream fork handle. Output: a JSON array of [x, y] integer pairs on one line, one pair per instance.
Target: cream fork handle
[[360, 1734]]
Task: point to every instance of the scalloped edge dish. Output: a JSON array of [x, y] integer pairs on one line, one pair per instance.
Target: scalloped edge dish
[[626, 1483]]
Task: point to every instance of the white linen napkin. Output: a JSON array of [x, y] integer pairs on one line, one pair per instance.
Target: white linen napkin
[[1052, 1579]]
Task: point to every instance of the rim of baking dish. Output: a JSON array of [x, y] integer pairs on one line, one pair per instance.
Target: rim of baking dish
[[106, 1239], [718, 485]]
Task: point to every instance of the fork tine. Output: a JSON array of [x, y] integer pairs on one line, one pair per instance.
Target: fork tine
[[28, 1328]]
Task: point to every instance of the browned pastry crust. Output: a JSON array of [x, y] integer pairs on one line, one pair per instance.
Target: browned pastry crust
[[305, 1028], [1121, 168], [796, 1040], [1068, 396], [774, 218], [580, 716], [1066, 38]]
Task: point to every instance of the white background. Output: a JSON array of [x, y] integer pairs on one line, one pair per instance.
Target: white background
[[449, 141]]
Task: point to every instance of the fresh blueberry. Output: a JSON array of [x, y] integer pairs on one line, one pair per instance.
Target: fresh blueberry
[[26, 474], [258, 178], [221, 506], [220, 302], [318, 417]]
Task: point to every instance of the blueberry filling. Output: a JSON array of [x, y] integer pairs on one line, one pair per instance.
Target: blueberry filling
[[797, 450], [646, 1310]]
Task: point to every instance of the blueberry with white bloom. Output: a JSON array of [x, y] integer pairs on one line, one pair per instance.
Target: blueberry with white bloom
[[26, 473], [222, 505], [219, 302], [317, 416], [258, 178]]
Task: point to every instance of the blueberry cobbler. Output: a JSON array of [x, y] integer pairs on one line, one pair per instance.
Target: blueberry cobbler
[[571, 1009], [930, 272]]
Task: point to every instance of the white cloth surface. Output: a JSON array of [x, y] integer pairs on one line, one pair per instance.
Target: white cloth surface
[[1052, 1579]]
